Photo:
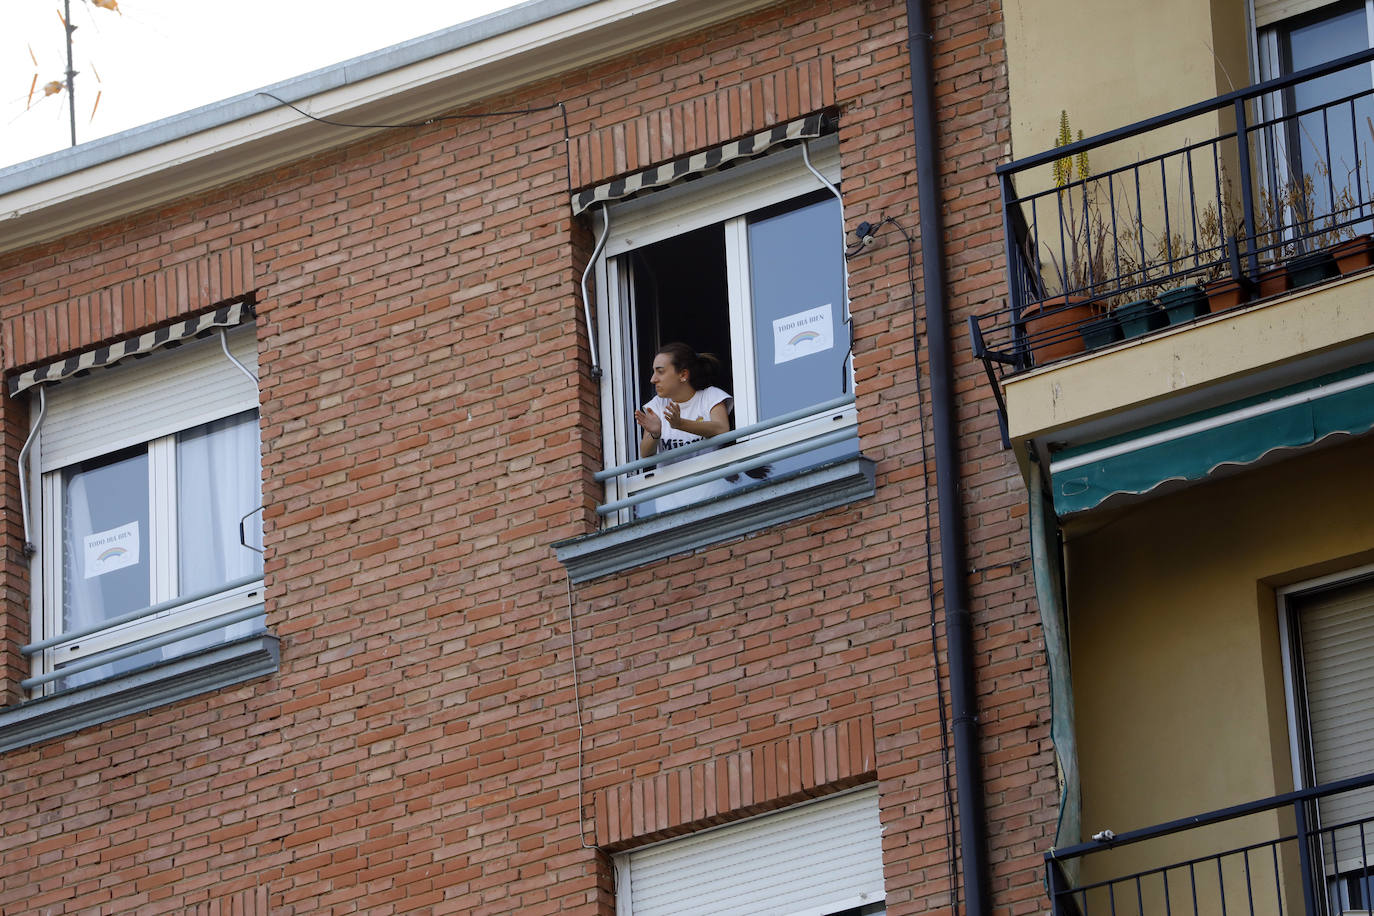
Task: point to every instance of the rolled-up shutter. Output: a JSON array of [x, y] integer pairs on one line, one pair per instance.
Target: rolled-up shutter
[[141, 399], [815, 858], [1338, 668]]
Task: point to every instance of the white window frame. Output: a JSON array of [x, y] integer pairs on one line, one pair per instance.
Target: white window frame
[[724, 198], [46, 493]]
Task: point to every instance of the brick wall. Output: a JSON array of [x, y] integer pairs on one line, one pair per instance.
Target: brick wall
[[430, 430]]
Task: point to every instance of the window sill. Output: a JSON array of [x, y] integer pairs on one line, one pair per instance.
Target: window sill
[[158, 685], [680, 531]]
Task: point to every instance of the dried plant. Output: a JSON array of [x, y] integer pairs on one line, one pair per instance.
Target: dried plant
[[1083, 233], [1101, 249]]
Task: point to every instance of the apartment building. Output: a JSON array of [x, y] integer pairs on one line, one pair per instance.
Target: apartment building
[[1183, 362], [335, 580]]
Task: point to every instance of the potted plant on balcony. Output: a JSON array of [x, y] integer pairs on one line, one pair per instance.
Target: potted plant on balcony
[[1354, 254], [1065, 320], [1307, 243]]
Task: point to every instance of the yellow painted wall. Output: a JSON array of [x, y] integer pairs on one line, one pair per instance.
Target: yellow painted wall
[[1113, 62], [1174, 636], [1110, 64]]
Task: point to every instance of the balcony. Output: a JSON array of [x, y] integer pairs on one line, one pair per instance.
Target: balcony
[[1309, 851], [1189, 265]]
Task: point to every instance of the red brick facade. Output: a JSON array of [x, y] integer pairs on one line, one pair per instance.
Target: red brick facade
[[429, 431]]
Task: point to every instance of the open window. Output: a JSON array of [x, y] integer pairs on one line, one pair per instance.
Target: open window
[[747, 264]]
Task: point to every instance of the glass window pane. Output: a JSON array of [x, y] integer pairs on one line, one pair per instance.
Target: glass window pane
[[218, 483], [796, 273], [1333, 142], [105, 539], [801, 344]]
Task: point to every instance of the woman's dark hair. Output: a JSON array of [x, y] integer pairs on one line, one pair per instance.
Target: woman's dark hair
[[703, 369]]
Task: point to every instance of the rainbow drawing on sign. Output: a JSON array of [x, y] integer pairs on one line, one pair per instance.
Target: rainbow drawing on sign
[[106, 551], [803, 334]]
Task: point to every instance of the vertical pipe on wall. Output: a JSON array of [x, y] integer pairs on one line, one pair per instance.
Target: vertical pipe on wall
[[958, 626]]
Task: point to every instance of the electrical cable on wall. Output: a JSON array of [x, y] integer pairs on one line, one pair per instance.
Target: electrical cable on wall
[[475, 115], [596, 369], [577, 705], [867, 234], [439, 119], [29, 547], [845, 315]]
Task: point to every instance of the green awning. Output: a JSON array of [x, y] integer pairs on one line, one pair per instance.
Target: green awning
[[1193, 447]]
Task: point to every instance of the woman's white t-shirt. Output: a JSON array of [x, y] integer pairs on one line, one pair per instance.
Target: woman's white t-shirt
[[696, 408]]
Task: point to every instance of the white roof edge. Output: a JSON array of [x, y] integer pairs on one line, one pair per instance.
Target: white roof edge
[[226, 140], [295, 89]]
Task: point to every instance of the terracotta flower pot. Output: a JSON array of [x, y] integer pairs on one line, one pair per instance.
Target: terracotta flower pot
[[1354, 254], [1272, 281], [1223, 294], [1052, 327]]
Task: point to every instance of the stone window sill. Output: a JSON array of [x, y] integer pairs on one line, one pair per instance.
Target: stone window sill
[[157, 685]]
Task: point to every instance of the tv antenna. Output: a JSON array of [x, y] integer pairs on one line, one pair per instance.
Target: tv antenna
[[55, 86]]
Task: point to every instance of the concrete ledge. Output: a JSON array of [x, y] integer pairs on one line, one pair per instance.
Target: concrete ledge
[[1179, 366], [72, 710], [682, 530]]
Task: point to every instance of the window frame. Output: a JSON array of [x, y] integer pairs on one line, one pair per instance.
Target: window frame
[[47, 496], [804, 833], [1287, 598], [1270, 60], [726, 198], [1288, 602]]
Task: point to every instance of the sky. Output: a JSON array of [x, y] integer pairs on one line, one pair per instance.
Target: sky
[[154, 58]]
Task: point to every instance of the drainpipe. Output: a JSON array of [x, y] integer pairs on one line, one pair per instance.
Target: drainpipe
[[953, 561]]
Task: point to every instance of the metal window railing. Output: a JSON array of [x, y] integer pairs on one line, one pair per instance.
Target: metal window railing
[[1094, 256], [152, 641], [1287, 861], [727, 468]]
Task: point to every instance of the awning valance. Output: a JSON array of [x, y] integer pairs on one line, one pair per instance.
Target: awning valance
[[813, 125], [1193, 447], [224, 316]]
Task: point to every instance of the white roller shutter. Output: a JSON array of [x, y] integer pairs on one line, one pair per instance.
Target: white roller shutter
[[811, 859], [141, 399], [1338, 668]]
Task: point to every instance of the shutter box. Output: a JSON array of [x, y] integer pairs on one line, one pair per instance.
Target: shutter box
[[139, 399]]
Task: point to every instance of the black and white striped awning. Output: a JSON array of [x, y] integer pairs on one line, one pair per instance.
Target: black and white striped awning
[[811, 126], [225, 316]]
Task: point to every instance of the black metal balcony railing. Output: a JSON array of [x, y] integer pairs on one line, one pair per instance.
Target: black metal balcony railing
[[1287, 862], [1096, 257]]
